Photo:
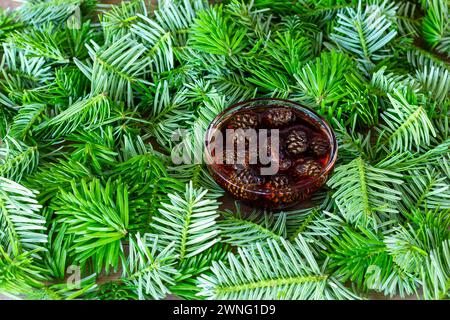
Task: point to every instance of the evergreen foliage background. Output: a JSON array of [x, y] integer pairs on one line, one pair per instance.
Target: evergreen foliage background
[[88, 108]]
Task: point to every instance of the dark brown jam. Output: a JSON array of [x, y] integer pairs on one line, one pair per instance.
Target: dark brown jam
[[301, 157]]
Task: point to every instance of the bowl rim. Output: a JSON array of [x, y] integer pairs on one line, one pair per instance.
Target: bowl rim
[[329, 130]]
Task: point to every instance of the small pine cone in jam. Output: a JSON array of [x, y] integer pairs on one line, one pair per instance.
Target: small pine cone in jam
[[242, 181], [283, 161], [307, 169], [319, 145], [280, 190], [278, 117], [297, 142], [243, 121], [278, 156], [278, 182]]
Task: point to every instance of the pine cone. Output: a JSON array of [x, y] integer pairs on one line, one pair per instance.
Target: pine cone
[[281, 191], [297, 142], [239, 160], [276, 155], [243, 121], [284, 197], [278, 117], [307, 169], [278, 182], [246, 177], [284, 163], [319, 145], [242, 181]]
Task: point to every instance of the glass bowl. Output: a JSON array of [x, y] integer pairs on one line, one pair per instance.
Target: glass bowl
[[261, 196]]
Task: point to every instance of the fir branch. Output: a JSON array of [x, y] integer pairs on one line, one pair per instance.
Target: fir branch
[[46, 41], [187, 155], [65, 291], [243, 230], [166, 31], [70, 85], [406, 126], [200, 177], [87, 113], [230, 84], [419, 160], [57, 257], [113, 290], [425, 189], [8, 22], [177, 16], [321, 81], [94, 149], [98, 218], [408, 19], [118, 21], [270, 80], [272, 271], [117, 68], [38, 12], [410, 245], [420, 58], [189, 222], [33, 71], [20, 274], [159, 43], [318, 227], [364, 193], [130, 147], [256, 21], [436, 83], [362, 258], [364, 32], [22, 227], [295, 218], [149, 269], [435, 273], [28, 117], [169, 113], [444, 164], [390, 83], [436, 26], [353, 144], [189, 269], [149, 185], [214, 31], [17, 159], [77, 37], [25, 78], [140, 170], [290, 51], [50, 178]]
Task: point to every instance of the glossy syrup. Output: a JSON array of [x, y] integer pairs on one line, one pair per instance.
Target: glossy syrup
[[300, 122], [304, 168]]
